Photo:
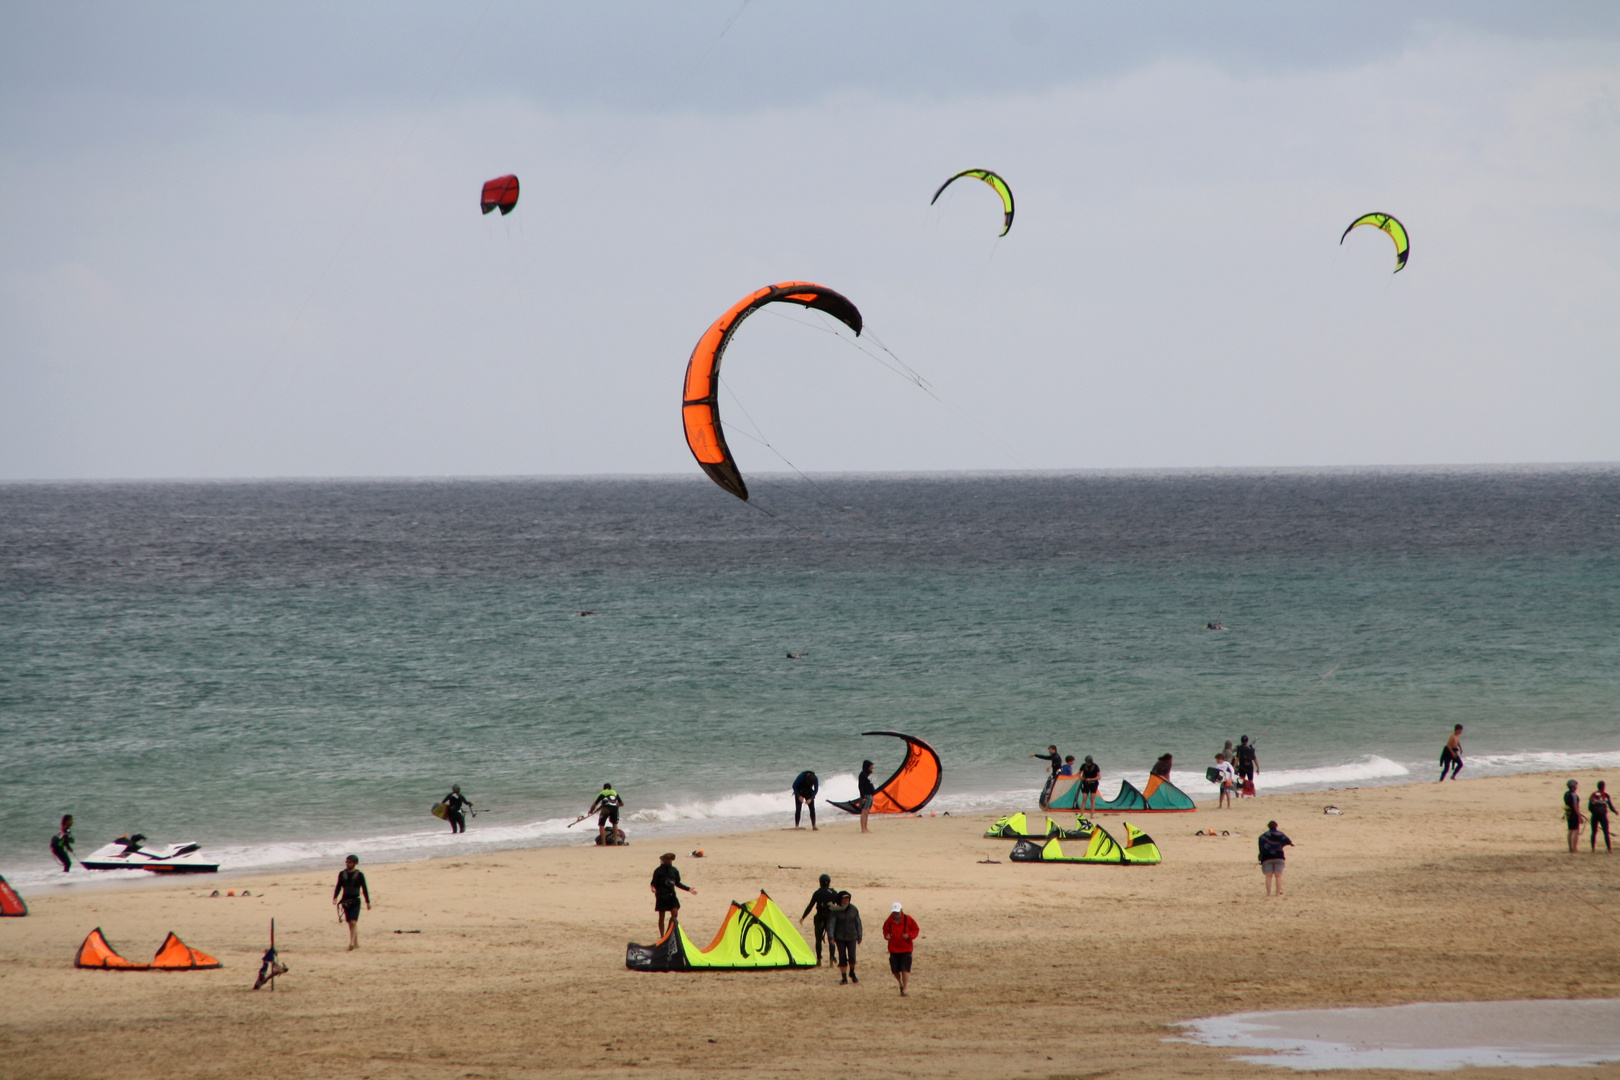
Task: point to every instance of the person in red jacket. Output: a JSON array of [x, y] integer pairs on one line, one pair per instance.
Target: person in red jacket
[[900, 930]]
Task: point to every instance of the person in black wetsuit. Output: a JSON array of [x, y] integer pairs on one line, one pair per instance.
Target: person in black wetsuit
[[346, 894], [1090, 781], [1451, 754], [1161, 768], [62, 843], [805, 786], [453, 803], [866, 792], [665, 880], [1573, 816], [821, 900], [1056, 760], [1245, 761], [1599, 806]]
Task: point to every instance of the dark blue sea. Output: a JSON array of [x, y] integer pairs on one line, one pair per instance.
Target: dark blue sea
[[288, 671]]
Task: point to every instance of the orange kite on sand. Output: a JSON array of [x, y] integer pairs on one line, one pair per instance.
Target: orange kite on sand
[[98, 954]]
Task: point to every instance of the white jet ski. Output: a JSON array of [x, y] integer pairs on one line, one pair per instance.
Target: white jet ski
[[130, 853]]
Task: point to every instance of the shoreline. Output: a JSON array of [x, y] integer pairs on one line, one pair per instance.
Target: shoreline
[[1418, 892], [44, 877]]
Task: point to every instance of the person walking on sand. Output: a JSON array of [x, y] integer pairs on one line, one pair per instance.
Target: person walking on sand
[[1056, 761], [1599, 806], [1573, 816], [1226, 778], [1272, 858], [847, 935], [1451, 754], [346, 894], [822, 900], [1090, 781], [62, 843], [900, 930], [865, 792], [665, 880], [805, 786], [606, 808], [453, 803]]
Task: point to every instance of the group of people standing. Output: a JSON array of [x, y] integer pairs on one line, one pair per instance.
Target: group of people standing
[[1598, 805]]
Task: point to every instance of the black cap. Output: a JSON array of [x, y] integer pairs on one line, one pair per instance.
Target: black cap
[[866, 764], [826, 879]]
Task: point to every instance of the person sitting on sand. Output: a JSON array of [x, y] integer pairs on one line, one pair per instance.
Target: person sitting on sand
[[1226, 778], [822, 900], [1161, 768], [805, 786], [606, 807], [62, 843], [847, 935], [665, 880], [1090, 781], [1272, 858], [346, 894], [900, 930], [1451, 754], [1599, 806], [1573, 816]]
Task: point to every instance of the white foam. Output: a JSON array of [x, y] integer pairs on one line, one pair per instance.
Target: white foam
[[1424, 1037]]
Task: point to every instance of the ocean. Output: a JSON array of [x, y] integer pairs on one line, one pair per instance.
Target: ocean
[[289, 671]]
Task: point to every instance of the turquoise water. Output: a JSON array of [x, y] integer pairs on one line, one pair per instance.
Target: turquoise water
[[285, 671]]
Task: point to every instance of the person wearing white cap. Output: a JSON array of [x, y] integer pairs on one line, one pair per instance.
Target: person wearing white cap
[[900, 930]]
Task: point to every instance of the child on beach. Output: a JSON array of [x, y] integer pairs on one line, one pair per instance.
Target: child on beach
[[900, 930], [346, 894], [1272, 842], [1226, 777], [1599, 806], [665, 880], [847, 935]]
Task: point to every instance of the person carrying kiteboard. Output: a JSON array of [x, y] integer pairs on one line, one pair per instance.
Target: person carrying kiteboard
[[606, 807], [1056, 760], [452, 804], [805, 786]]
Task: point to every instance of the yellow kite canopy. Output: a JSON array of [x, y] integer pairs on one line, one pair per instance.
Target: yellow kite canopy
[[1397, 233], [994, 181], [754, 936], [700, 403]]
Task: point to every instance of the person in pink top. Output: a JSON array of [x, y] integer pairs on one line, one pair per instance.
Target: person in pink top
[[900, 930]]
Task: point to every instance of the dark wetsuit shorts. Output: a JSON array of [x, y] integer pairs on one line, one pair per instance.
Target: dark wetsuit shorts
[[351, 910], [846, 952]]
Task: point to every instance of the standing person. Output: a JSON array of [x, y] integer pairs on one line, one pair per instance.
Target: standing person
[[606, 808], [346, 894], [1272, 857], [1056, 761], [1451, 754], [62, 843], [665, 880], [1573, 817], [805, 786], [1068, 766], [846, 935], [1226, 777], [866, 792], [1161, 768], [1090, 781], [1247, 763], [1599, 806], [822, 900], [453, 803], [900, 930]]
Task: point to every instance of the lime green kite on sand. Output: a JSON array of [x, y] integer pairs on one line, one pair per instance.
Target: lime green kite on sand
[[994, 181], [1396, 231]]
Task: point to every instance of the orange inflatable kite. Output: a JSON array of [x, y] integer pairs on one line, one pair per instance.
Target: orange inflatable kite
[[700, 404], [913, 784]]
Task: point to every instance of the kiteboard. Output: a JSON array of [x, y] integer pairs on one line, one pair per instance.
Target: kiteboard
[[441, 811]]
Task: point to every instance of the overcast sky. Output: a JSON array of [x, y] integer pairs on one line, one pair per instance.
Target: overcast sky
[[242, 241]]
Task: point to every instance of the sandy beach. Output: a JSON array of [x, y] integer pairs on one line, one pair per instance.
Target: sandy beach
[[1422, 892]]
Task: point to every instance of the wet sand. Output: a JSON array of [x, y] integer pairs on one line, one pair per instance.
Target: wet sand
[[1423, 892]]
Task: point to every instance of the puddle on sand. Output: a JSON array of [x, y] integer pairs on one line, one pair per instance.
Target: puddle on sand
[[1427, 1037]]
